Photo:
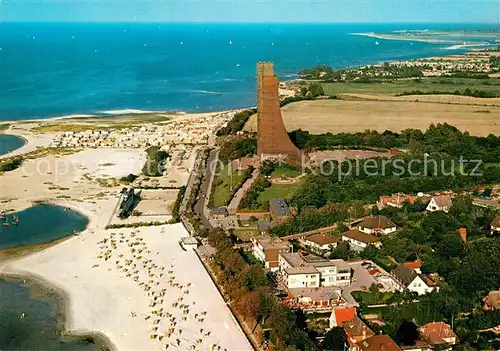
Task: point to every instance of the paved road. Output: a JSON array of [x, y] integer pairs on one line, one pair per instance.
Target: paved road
[[201, 208], [235, 201]]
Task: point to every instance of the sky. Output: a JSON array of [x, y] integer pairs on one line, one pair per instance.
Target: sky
[[369, 11]]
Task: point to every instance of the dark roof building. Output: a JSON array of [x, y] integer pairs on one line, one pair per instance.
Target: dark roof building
[[377, 224], [279, 209]]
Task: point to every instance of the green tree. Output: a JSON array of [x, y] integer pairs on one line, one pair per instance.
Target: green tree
[[335, 340]]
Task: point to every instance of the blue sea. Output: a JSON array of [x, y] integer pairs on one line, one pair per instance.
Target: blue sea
[[10, 143], [57, 69], [38, 225]]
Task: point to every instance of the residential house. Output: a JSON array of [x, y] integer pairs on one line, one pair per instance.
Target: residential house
[[298, 271], [341, 315], [267, 249], [377, 225], [357, 332], [412, 281], [279, 210], [358, 241], [219, 212], [396, 200], [379, 343], [416, 265], [320, 243], [463, 234], [438, 333], [320, 299], [419, 345], [495, 225], [264, 226], [440, 203], [492, 300]]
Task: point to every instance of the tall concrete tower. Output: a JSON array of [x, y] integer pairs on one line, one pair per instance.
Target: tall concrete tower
[[273, 141]]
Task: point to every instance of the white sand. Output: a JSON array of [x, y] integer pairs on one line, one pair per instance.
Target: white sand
[[103, 298], [105, 295]]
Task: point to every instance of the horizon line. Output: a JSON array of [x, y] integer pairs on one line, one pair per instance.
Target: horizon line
[[240, 22]]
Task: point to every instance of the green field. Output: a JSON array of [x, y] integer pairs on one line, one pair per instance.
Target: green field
[[221, 190], [245, 234], [284, 191], [407, 85], [283, 171]]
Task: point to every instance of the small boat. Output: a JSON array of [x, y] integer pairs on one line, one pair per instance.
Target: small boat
[[230, 42], [377, 43], [15, 220], [238, 65]]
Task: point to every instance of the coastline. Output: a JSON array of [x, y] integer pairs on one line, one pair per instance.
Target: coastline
[[37, 285]]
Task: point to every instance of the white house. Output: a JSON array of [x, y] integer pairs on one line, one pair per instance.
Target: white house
[[377, 225], [412, 281], [495, 225], [297, 271], [440, 203], [358, 241], [266, 249], [320, 243]]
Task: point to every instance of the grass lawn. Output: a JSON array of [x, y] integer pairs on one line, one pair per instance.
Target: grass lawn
[[283, 171], [284, 191], [426, 85], [385, 263], [221, 192], [367, 298], [245, 234]]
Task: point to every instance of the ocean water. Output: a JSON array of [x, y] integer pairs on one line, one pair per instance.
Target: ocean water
[[40, 224], [41, 327], [10, 143], [56, 69]]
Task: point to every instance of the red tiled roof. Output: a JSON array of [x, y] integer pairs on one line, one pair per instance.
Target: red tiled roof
[[344, 314], [435, 333], [379, 343], [413, 265]]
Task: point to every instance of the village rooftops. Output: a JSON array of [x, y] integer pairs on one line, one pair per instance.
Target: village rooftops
[[356, 328], [341, 315], [272, 242], [379, 343], [413, 265], [493, 299], [317, 294], [404, 274], [438, 333], [496, 222], [322, 239], [301, 270], [377, 222], [360, 236]]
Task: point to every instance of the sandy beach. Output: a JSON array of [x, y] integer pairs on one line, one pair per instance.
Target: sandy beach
[[158, 295], [137, 287]]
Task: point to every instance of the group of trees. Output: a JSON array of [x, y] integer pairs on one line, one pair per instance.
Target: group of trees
[[237, 147], [310, 218], [154, 165], [176, 216], [465, 92], [251, 200], [10, 164], [249, 291], [237, 122]]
